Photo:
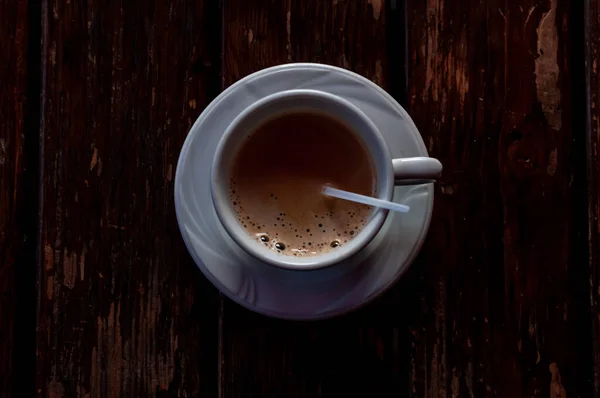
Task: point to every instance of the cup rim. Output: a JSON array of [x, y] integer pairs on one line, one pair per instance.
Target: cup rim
[[219, 178]]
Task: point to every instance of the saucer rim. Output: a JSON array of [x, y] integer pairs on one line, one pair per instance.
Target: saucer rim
[[382, 287]]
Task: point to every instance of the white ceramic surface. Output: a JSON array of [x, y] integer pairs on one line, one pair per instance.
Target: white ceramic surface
[[313, 101], [299, 294]]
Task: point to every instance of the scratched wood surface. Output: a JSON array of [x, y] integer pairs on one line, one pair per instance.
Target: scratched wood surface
[[592, 70], [13, 81], [124, 312], [491, 91], [494, 305], [498, 302]]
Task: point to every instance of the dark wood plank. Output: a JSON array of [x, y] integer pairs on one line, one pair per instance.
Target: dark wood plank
[[592, 117], [13, 86], [490, 89], [492, 305], [262, 357], [123, 309]]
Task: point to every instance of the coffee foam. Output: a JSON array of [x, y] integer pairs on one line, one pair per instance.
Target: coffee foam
[[313, 233], [277, 180]]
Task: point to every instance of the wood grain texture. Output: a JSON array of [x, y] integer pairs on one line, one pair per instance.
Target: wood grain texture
[[263, 357], [592, 69], [491, 306], [123, 309], [490, 89], [13, 85]]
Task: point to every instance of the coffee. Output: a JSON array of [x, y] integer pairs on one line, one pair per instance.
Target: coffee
[[278, 175]]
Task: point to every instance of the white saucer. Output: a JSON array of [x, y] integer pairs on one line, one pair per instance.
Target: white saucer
[[299, 294]]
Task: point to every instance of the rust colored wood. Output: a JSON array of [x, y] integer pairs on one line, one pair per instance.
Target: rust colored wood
[[123, 309], [490, 89], [592, 59], [13, 86]]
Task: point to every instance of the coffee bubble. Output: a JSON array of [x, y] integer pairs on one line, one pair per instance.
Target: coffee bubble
[[277, 178]]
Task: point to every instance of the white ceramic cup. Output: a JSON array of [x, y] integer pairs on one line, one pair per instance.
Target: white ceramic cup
[[389, 171]]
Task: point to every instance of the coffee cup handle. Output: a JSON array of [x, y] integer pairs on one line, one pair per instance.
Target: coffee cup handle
[[418, 170]]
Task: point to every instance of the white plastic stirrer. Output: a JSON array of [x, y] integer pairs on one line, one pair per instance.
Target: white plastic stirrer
[[366, 200]]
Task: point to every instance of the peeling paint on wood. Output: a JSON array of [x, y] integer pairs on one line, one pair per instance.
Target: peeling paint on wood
[[475, 96], [546, 68], [94, 160], [556, 388], [2, 152], [69, 268], [446, 67], [123, 309], [377, 6]]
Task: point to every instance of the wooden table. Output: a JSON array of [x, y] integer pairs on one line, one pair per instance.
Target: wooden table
[[99, 297]]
